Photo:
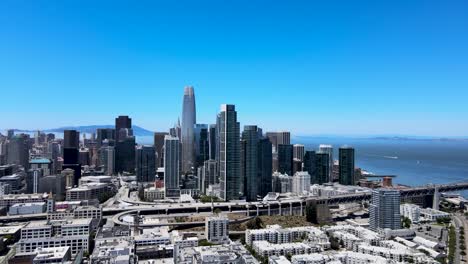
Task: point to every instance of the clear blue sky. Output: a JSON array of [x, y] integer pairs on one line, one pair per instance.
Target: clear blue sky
[[312, 67]]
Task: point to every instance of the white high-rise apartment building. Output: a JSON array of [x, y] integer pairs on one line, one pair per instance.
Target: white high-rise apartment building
[[301, 182]]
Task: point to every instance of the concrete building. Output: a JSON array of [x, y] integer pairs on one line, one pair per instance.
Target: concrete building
[[217, 229], [52, 255], [301, 182], [411, 211], [299, 151], [43, 164], [27, 208]]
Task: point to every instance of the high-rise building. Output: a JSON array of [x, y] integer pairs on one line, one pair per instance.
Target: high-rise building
[[202, 147], [145, 164], [125, 145], [284, 138], [103, 134], [329, 150], [384, 210], [171, 166], [122, 122], [229, 154], [279, 138], [217, 229], [346, 166], [188, 122], [285, 159], [310, 165], [18, 150], [301, 182], [299, 152], [71, 144], [125, 155], [212, 141], [265, 167], [107, 159], [273, 137], [32, 180], [159, 145], [249, 161], [10, 133], [322, 168], [208, 174]]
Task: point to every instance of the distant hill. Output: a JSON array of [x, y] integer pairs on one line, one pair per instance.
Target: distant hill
[[137, 131]]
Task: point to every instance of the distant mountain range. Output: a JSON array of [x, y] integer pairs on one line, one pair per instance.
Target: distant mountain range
[[137, 131]]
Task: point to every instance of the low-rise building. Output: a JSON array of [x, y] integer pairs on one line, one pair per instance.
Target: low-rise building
[[27, 208], [411, 211], [430, 214], [267, 249], [153, 194], [52, 255]]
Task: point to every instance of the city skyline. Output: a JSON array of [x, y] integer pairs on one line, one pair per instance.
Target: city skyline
[[396, 70]]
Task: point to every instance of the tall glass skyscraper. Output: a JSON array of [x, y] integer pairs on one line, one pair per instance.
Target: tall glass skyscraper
[[171, 166], [249, 162], [229, 154], [384, 210], [145, 163], [346, 171], [188, 122], [329, 150]]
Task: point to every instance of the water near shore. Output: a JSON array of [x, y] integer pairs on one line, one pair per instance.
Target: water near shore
[[414, 162]]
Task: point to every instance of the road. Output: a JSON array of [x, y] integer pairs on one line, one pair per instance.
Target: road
[[460, 221]]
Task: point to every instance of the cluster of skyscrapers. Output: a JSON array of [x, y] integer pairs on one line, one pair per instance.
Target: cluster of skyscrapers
[[216, 159]]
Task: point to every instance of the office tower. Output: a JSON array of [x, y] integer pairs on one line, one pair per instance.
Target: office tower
[[298, 152], [125, 145], [249, 160], [297, 166], [322, 167], [55, 184], [176, 131], [171, 166], [18, 150], [301, 182], [384, 210], [53, 153], [107, 159], [122, 122], [71, 139], [284, 138], [285, 159], [208, 175], [202, 147], [229, 154], [32, 180], [329, 150], [145, 164], [273, 137], [50, 137], [265, 167], [71, 144], [346, 166], [10, 133], [69, 176], [103, 134], [84, 157], [125, 155], [212, 139], [158, 146], [310, 166], [281, 183], [188, 122]]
